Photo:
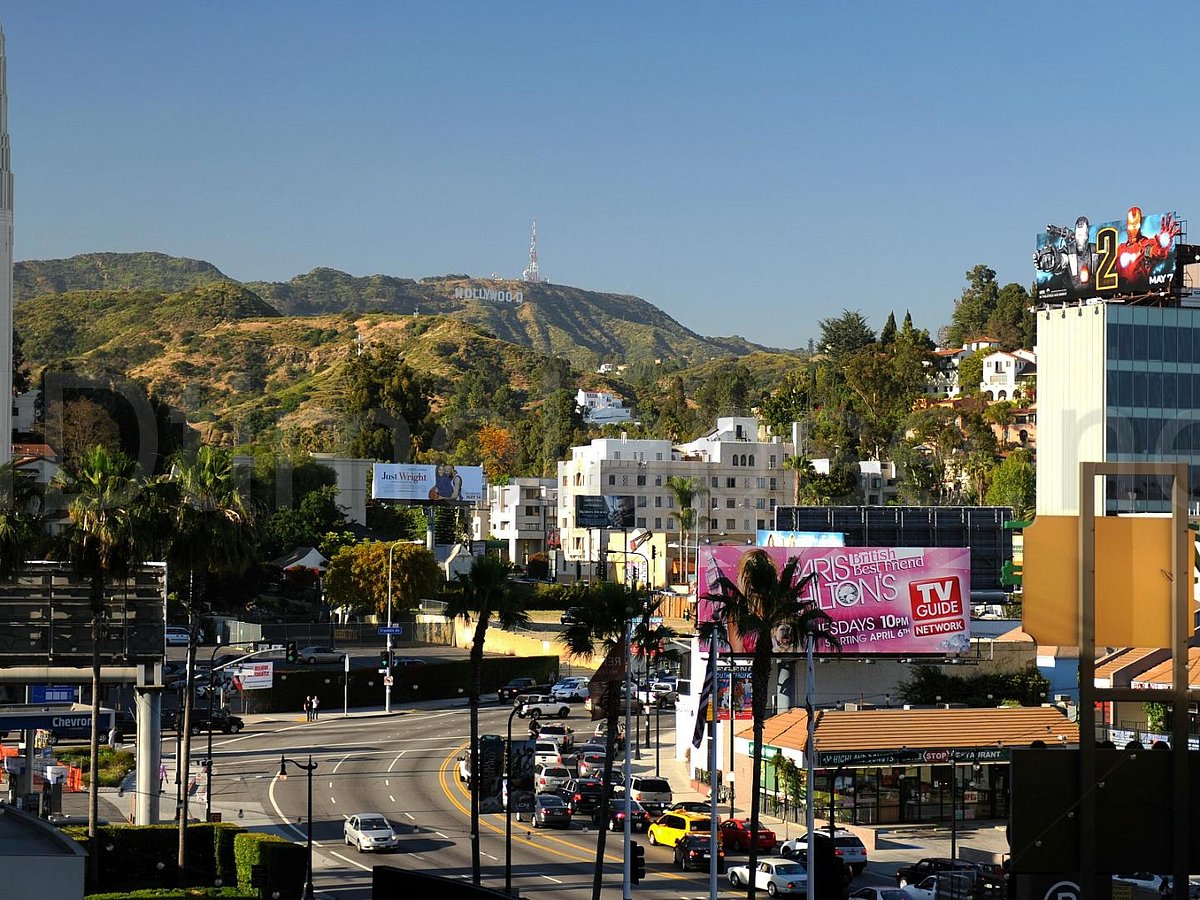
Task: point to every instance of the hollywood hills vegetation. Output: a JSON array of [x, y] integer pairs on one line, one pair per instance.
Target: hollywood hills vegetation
[[111, 272]]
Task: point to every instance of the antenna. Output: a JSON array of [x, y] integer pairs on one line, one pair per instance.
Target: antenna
[[531, 273]]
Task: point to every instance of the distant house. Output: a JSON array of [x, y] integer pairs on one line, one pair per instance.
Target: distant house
[[1004, 373], [602, 407], [942, 376]]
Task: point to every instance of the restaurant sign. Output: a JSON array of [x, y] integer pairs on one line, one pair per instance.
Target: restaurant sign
[[910, 757]]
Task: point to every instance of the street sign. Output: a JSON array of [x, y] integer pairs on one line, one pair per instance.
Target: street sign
[[387, 680], [656, 620], [391, 629]]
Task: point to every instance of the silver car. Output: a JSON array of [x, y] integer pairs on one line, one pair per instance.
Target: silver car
[[370, 831], [314, 655], [550, 778]]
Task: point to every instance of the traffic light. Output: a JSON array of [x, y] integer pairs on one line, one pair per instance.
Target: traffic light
[[637, 869], [385, 659], [292, 654]]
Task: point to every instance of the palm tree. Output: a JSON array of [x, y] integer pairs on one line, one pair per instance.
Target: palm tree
[[21, 534], [685, 491], [212, 534], [803, 469], [110, 532], [603, 612], [768, 605], [485, 593]]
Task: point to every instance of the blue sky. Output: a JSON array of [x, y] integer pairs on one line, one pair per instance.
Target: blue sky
[[748, 168]]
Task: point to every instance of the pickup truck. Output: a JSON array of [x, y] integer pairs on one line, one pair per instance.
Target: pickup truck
[[518, 686]]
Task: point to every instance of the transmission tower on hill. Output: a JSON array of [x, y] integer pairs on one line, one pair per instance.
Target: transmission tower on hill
[[531, 273]]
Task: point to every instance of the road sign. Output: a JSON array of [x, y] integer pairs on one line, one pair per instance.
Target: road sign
[[387, 680], [391, 629]]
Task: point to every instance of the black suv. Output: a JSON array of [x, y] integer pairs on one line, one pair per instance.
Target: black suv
[[581, 794], [222, 720], [693, 851], [915, 873]]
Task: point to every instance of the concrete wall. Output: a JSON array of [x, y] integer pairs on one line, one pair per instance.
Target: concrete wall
[[510, 643]]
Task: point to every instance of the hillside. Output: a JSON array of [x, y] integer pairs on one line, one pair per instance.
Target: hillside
[[111, 272]]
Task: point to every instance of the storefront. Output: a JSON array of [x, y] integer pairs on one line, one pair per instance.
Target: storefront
[[902, 766]]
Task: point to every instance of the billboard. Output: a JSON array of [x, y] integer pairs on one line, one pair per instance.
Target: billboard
[[592, 511], [403, 481], [1134, 255], [800, 539], [882, 600], [252, 676]]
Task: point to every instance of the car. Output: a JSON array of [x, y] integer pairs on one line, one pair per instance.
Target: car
[[846, 846], [695, 852], [547, 753], [735, 833], [522, 685], [550, 778], [639, 819], [661, 694], [564, 735], [316, 654], [925, 890], [582, 795], [670, 827], [775, 875], [653, 793], [403, 661], [569, 617], [177, 636], [915, 873], [222, 720], [571, 689], [549, 810], [700, 807], [589, 764], [601, 734], [464, 769], [538, 705], [874, 892], [1145, 881], [370, 831]]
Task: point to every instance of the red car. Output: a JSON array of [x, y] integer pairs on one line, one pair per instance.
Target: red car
[[735, 834]]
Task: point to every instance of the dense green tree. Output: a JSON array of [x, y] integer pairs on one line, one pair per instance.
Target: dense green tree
[[973, 307], [1014, 483], [483, 594], [885, 381], [726, 392], [22, 533], [1012, 322], [802, 470], [561, 424], [358, 577], [888, 333], [970, 374], [304, 525], [387, 405], [844, 334], [764, 602]]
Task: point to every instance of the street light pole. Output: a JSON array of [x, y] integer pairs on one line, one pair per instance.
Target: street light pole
[[208, 762], [508, 805], [387, 688], [310, 768]]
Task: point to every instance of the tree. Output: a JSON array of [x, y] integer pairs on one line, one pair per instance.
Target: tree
[[484, 593], [970, 374], [357, 577], [888, 333], [560, 420], [305, 525], [803, 471], [213, 534], [764, 602], [844, 334], [1014, 483], [21, 531], [974, 306], [725, 392], [603, 613], [387, 404], [111, 530], [500, 453], [684, 491], [1011, 322]]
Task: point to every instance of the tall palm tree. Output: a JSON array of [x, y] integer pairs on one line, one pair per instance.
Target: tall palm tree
[[603, 612], [685, 491], [803, 468], [110, 532], [21, 533], [212, 534], [767, 605], [485, 593]]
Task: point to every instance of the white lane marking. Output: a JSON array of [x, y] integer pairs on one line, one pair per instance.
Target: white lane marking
[[300, 833], [439, 834], [351, 861], [393, 799], [411, 816], [343, 759], [414, 856], [332, 799], [387, 782], [396, 760], [331, 783], [489, 856], [555, 880]]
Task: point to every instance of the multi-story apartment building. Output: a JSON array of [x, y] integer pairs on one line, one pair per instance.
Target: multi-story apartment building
[[522, 513], [740, 469]]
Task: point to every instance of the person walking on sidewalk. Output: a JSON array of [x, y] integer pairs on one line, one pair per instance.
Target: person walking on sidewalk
[[308, 707], [316, 707]]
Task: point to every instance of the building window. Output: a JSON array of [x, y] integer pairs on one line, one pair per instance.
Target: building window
[[771, 461], [658, 456], [612, 479], [616, 454], [716, 503], [735, 462], [531, 512], [730, 503], [771, 502], [752, 459], [641, 522], [762, 524], [564, 484], [745, 524], [712, 525], [658, 480], [641, 480], [641, 500], [774, 484], [625, 481], [715, 482], [760, 483], [658, 502], [731, 482], [760, 503], [743, 459], [658, 524], [670, 501], [730, 524]]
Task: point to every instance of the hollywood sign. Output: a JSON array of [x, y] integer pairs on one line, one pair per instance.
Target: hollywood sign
[[495, 296]]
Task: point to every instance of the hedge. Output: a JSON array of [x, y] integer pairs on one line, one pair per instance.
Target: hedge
[[225, 893], [137, 851], [286, 863]]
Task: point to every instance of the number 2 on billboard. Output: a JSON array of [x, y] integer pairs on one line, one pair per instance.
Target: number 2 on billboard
[[1106, 271]]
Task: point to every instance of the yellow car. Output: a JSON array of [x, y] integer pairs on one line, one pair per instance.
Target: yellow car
[[672, 826]]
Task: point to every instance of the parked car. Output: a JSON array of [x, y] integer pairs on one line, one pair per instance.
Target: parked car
[[176, 636], [775, 875], [550, 778], [661, 694], [735, 833], [639, 819], [569, 617], [518, 686], [582, 795], [915, 873], [670, 827], [653, 793], [563, 734], [700, 807], [926, 889], [874, 892], [547, 753], [315, 655], [538, 705], [695, 852], [846, 846], [549, 811], [370, 831]]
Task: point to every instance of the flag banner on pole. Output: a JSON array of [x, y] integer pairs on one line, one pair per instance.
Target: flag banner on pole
[[702, 710]]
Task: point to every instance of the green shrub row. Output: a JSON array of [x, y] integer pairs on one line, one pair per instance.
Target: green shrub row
[[286, 863], [225, 893]]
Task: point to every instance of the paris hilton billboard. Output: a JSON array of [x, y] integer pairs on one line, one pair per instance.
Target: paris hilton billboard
[[881, 600]]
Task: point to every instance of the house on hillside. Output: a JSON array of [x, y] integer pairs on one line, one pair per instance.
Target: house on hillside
[[942, 379], [1006, 374], [602, 407]]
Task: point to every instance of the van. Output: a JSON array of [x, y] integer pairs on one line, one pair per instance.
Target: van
[[546, 753]]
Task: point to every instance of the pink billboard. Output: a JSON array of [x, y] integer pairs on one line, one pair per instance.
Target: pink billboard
[[882, 600]]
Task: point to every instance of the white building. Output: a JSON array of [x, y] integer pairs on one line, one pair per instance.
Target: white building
[[1004, 372], [740, 469], [522, 513], [876, 480], [942, 378], [602, 407]]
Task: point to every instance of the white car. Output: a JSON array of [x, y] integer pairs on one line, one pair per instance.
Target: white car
[[550, 778], [370, 831], [547, 753], [774, 874], [571, 689], [847, 845], [176, 636], [313, 655], [926, 890], [538, 705], [464, 770]]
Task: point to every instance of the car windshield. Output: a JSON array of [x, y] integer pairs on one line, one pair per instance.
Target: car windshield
[[847, 842], [376, 824], [655, 786], [700, 825]]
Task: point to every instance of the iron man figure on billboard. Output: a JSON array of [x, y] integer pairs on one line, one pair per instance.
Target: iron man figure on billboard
[[1138, 253]]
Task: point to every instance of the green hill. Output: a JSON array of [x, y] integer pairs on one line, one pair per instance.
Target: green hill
[[111, 272]]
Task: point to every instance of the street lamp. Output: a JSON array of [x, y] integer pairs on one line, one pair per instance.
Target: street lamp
[[283, 761], [387, 687], [212, 660], [507, 794]]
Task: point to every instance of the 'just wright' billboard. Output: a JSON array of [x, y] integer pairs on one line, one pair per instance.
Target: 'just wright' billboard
[[881, 600]]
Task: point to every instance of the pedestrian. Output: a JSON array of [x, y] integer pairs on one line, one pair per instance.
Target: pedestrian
[[316, 707], [162, 777], [308, 707]]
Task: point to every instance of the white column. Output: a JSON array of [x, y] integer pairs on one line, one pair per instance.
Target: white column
[[148, 704]]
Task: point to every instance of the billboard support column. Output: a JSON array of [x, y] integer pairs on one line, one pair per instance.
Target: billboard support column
[[810, 751]]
